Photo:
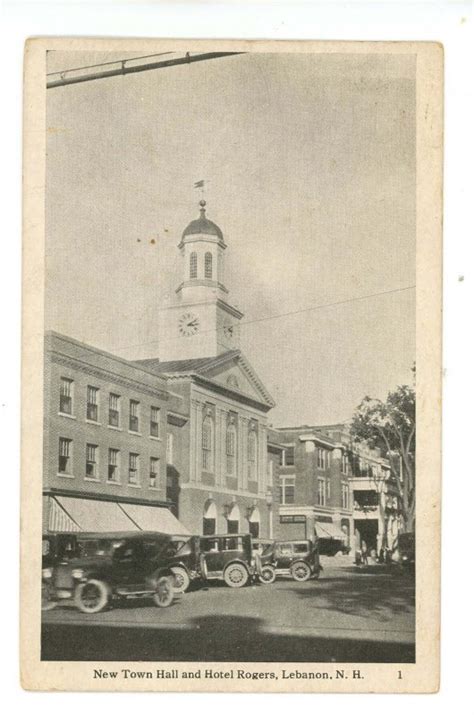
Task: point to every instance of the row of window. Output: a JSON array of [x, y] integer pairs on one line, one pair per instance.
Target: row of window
[[193, 265], [208, 448], [323, 494], [66, 407], [323, 457], [114, 465]]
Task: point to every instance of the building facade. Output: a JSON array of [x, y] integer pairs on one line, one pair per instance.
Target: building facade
[[225, 482], [108, 425], [179, 442], [336, 489]]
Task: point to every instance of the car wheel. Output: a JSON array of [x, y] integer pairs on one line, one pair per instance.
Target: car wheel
[[91, 596], [164, 592], [267, 574], [300, 571], [236, 576], [47, 603], [181, 579]]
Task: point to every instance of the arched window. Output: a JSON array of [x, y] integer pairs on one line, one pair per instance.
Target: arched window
[[254, 523], [193, 265], [233, 520], [208, 265], [231, 450], [209, 520], [252, 456], [208, 444]]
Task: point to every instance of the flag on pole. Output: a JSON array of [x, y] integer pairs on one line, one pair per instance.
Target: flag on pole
[[199, 184]]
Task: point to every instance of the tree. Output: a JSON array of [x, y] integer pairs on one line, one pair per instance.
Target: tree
[[391, 426]]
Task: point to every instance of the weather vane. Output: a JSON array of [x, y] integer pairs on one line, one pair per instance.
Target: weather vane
[[200, 185]]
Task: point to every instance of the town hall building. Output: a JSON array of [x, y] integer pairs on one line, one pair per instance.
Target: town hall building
[[225, 468], [179, 443]]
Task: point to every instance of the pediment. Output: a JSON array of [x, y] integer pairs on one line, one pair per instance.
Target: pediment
[[238, 376]]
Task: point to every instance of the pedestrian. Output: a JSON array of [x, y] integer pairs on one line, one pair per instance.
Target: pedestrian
[[364, 553]]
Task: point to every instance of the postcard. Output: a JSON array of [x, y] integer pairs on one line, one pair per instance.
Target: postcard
[[231, 387]]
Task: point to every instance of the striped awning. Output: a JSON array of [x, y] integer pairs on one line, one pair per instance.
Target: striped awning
[[154, 518], [76, 514], [329, 531]]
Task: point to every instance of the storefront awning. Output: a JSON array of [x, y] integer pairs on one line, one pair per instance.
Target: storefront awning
[[154, 518], [329, 531], [76, 514], [95, 515]]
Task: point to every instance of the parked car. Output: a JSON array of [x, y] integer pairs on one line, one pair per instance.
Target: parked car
[[184, 559], [115, 565], [407, 549], [331, 547], [227, 558], [298, 559], [57, 547]]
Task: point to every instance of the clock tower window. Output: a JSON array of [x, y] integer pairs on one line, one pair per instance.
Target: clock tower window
[[208, 265], [193, 265]]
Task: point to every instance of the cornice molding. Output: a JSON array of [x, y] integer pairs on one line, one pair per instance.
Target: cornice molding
[[108, 375]]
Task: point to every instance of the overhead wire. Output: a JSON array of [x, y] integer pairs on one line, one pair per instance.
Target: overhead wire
[[283, 315]]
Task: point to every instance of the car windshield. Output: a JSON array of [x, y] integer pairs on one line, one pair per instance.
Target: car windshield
[[267, 549], [301, 548], [182, 547], [98, 547]]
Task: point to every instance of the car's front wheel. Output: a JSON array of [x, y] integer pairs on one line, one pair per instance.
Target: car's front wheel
[[91, 596], [300, 571], [181, 579], [164, 591], [236, 576], [267, 574]]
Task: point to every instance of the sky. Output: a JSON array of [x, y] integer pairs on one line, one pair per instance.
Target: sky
[[309, 163]]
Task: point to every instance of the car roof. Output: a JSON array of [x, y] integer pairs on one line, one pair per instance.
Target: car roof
[[116, 534]]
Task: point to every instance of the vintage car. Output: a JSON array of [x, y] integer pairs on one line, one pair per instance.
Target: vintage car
[[58, 546], [111, 566], [297, 559], [185, 561], [406, 548], [227, 558]]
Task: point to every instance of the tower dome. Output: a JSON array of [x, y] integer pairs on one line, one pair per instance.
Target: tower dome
[[203, 225]]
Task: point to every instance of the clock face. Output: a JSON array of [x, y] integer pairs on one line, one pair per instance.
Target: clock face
[[188, 324]]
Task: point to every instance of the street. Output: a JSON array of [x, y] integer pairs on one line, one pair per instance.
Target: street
[[349, 615]]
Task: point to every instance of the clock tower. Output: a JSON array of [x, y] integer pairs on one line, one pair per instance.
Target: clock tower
[[200, 322]]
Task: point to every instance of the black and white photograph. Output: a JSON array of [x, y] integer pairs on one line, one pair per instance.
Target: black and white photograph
[[230, 363]]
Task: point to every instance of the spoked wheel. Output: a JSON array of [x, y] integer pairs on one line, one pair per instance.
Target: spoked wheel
[[91, 596], [267, 574], [300, 571], [164, 592], [181, 579], [47, 602], [236, 576]]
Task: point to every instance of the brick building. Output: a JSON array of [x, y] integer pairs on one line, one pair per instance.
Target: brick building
[[341, 491], [109, 432]]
